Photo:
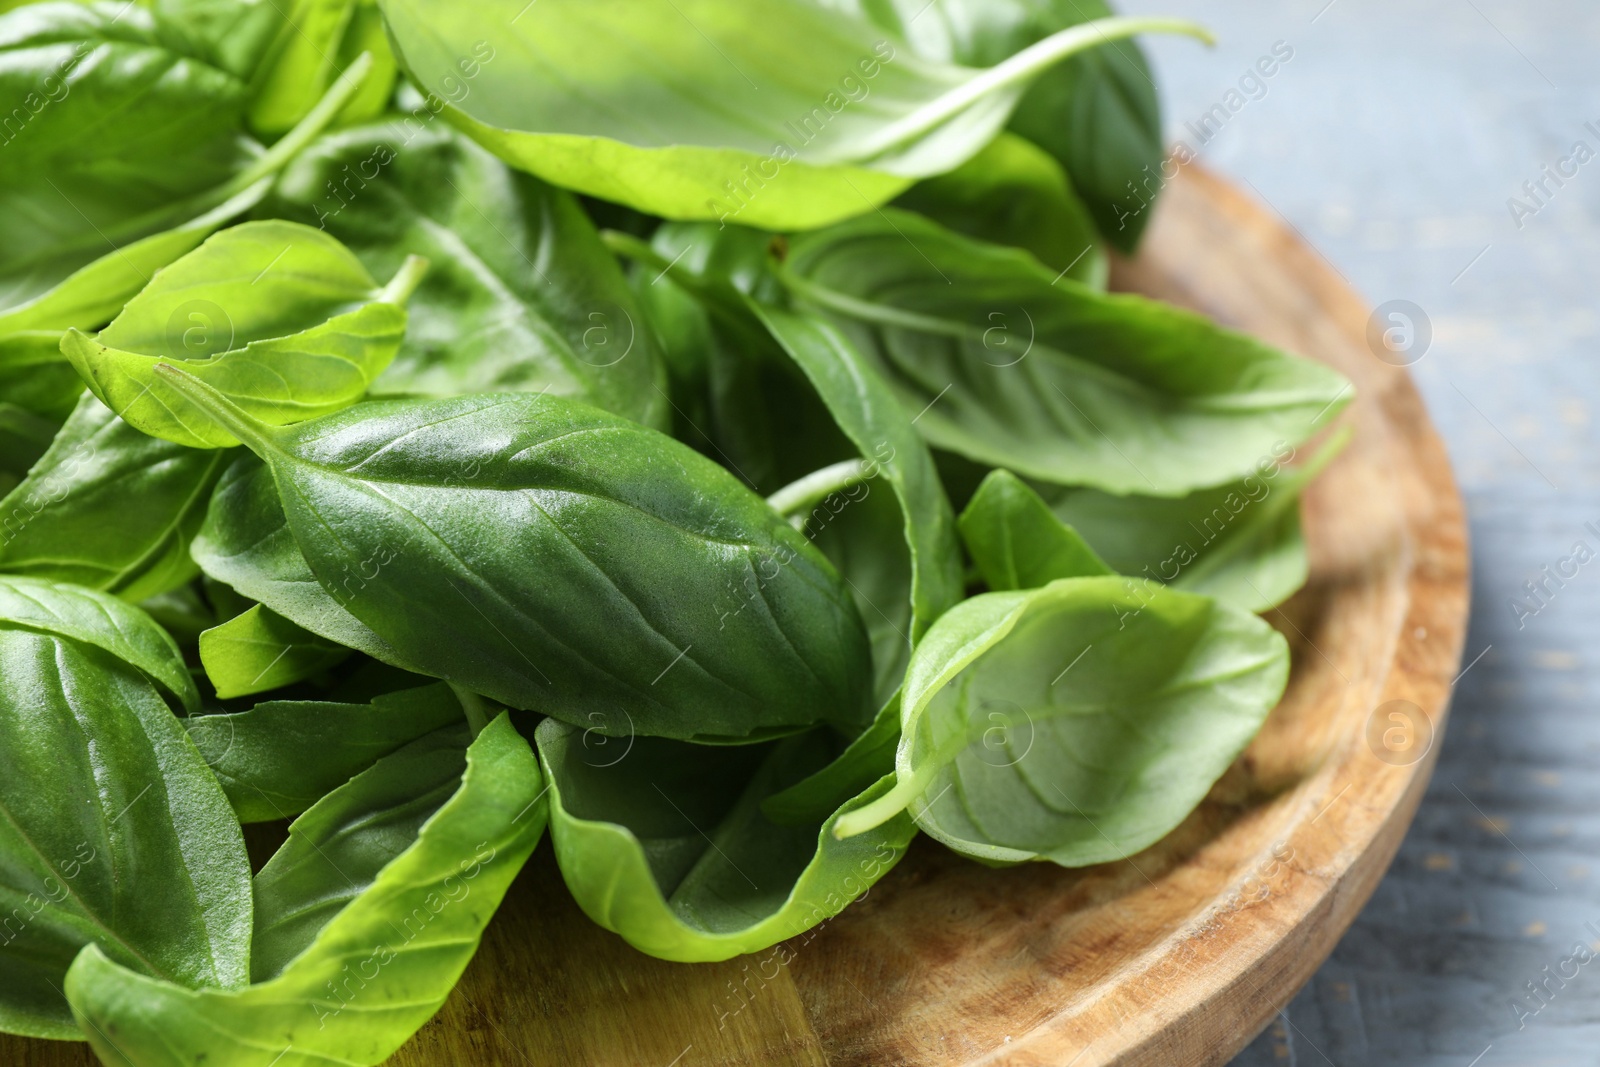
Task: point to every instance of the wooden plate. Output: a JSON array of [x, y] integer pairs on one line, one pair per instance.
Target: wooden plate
[[1177, 957]]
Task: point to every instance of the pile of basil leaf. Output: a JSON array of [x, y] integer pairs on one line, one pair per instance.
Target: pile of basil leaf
[[697, 429]]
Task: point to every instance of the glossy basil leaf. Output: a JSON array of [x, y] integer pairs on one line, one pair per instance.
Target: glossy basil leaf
[[1098, 112], [366, 919], [115, 833], [520, 294], [279, 317], [1012, 193], [282, 756], [906, 582], [1239, 542], [1017, 542], [315, 41], [108, 507], [261, 650], [1000, 362], [486, 517], [119, 127], [1078, 723], [246, 544], [88, 617], [707, 110], [668, 847], [34, 376]]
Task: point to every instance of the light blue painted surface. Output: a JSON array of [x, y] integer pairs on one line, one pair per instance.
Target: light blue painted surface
[[1393, 140]]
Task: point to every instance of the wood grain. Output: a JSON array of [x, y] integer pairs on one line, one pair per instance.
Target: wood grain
[[1176, 957]]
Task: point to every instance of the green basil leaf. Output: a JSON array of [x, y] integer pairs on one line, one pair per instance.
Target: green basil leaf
[[115, 833], [118, 126], [520, 293], [246, 544], [668, 847], [231, 34], [108, 507], [279, 317], [34, 377], [315, 42], [1078, 723], [706, 110], [485, 517], [1012, 193], [867, 758], [261, 650], [282, 756], [24, 438], [1001, 362], [1240, 542], [1017, 542], [1098, 112], [93, 618], [906, 582], [367, 918]]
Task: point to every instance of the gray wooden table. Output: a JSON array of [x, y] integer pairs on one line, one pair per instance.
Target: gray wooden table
[[1395, 139]]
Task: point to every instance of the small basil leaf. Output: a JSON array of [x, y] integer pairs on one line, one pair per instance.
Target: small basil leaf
[[1240, 542], [316, 41], [520, 293], [282, 756], [34, 376], [1012, 193], [486, 517], [1078, 723], [1016, 540], [246, 544], [279, 317], [94, 618], [261, 650], [725, 118], [381, 894], [114, 832], [668, 847], [1001, 362], [108, 507]]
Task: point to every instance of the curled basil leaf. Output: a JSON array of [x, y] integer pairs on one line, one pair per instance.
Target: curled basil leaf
[[520, 293], [281, 756], [1078, 723], [1001, 362], [717, 115], [108, 507], [487, 517], [667, 845], [261, 650], [279, 317], [365, 919], [114, 832]]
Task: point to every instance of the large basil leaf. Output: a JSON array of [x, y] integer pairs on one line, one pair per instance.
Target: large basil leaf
[[118, 125], [1239, 542], [259, 650], [279, 317], [246, 544], [1001, 362], [92, 618], [113, 833], [366, 919], [667, 844], [1017, 542], [707, 110], [1012, 193], [108, 507], [520, 293], [282, 756], [1098, 112], [486, 517], [1077, 723]]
